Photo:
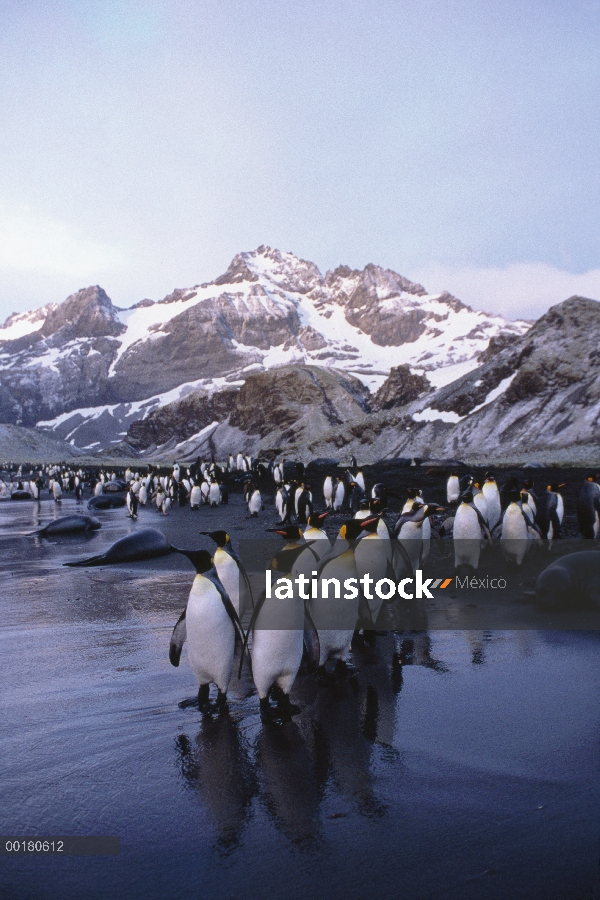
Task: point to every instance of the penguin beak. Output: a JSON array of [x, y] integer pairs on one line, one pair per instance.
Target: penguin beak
[[366, 523], [200, 559]]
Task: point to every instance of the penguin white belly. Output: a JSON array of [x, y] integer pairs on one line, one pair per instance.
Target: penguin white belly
[[532, 504], [328, 492], [514, 539], [560, 508], [371, 556], [335, 643], [98, 489], [204, 490], [338, 498], [467, 537], [143, 495], [453, 489], [411, 538], [56, 491], [481, 503], [360, 480], [195, 497], [276, 658], [210, 635], [279, 505], [255, 503], [494, 509], [214, 494], [297, 496]]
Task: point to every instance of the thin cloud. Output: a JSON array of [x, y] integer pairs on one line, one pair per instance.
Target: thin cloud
[[517, 291], [30, 241]]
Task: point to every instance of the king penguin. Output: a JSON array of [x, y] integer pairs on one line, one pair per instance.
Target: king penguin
[[588, 507], [335, 641], [314, 532], [517, 530], [492, 497], [453, 488], [280, 628], [209, 623], [230, 570], [467, 533], [550, 511], [328, 492]]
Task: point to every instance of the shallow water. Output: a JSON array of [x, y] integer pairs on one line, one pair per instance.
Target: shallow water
[[470, 770]]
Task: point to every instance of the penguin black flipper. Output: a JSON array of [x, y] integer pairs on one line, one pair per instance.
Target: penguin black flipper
[[405, 557], [531, 526], [555, 523], [255, 613], [311, 641], [177, 640], [229, 607], [244, 574], [483, 523]]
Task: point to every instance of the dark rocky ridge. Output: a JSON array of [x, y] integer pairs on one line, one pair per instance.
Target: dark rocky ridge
[[401, 387], [550, 408]]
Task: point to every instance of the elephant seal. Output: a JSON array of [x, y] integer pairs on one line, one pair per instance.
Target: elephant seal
[[108, 501], [70, 525], [572, 580], [114, 487], [21, 495], [147, 543]]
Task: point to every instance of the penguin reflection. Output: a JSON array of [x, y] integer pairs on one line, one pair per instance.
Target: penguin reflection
[[216, 764], [344, 728], [290, 789]]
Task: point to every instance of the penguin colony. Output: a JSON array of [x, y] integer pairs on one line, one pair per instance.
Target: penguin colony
[[477, 513]]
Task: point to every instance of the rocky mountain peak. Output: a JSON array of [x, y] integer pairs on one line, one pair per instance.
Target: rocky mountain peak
[[87, 313], [283, 269], [577, 314]]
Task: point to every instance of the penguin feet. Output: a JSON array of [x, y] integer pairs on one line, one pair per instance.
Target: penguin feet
[[204, 704], [269, 714], [285, 708], [323, 676], [280, 714], [220, 706]]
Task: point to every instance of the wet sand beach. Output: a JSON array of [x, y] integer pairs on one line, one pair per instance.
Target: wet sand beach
[[464, 766]]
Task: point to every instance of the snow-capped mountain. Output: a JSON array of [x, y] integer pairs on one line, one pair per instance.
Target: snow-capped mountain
[[88, 370]]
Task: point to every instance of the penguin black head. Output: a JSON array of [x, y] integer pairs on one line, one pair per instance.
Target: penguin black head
[[466, 497], [285, 559], [200, 559], [219, 537], [528, 485], [412, 492], [290, 532], [431, 509], [514, 496], [351, 529], [556, 487], [317, 519]]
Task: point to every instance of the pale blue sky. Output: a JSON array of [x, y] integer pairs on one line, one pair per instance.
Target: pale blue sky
[[143, 144]]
